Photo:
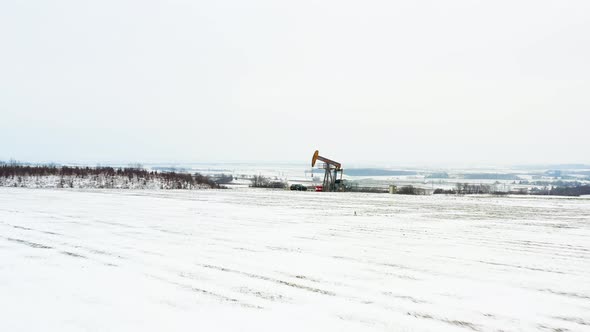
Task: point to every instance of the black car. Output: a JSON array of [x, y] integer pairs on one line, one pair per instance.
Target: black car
[[298, 187]]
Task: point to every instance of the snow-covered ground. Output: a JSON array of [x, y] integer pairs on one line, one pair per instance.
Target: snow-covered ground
[[256, 260]]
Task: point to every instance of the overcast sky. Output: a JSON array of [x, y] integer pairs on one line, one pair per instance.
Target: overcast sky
[[394, 82]]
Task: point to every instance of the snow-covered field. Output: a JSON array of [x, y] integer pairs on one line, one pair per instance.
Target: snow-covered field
[[254, 260]]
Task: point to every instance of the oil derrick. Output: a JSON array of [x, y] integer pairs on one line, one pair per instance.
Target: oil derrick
[[331, 169]]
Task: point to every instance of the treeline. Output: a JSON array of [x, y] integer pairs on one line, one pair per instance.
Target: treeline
[[563, 191], [44, 170], [558, 183], [99, 177], [355, 188], [410, 190], [468, 189], [260, 181], [471, 189]]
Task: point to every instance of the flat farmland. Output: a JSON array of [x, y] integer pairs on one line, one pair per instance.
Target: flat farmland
[[260, 260]]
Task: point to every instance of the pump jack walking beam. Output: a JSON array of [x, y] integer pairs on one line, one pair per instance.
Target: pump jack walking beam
[[316, 157]]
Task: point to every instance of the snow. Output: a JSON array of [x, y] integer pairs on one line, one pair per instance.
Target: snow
[[268, 260]]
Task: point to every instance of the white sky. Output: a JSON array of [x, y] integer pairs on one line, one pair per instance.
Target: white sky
[[367, 81]]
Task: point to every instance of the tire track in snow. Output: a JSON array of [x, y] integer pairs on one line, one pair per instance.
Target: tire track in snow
[[265, 278]]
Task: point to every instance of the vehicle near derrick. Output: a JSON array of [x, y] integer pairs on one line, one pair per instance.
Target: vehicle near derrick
[[298, 187]]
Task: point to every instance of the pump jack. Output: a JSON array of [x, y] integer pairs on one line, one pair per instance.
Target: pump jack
[[331, 170]]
